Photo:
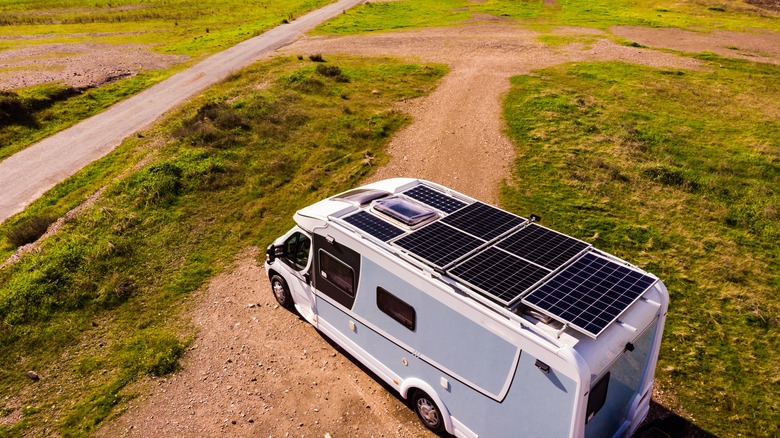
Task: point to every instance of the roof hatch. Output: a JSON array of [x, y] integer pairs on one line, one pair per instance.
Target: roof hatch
[[405, 212]]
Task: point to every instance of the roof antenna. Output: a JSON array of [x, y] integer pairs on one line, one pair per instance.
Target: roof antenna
[[535, 218]]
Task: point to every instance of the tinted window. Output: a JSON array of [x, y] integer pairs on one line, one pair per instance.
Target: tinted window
[[597, 397], [337, 273], [396, 308], [296, 250]]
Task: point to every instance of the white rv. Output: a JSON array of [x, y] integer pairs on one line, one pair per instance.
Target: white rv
[[491, 324]]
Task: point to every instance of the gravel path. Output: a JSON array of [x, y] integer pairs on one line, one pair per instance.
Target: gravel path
[[257, 369]]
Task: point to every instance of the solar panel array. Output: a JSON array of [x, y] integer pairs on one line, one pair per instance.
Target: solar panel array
[[504, 258], [374, 226], [435, 199], [590, 294]]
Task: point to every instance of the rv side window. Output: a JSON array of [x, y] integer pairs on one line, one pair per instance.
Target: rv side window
[[395, 308], [337, 273], [597, 397]]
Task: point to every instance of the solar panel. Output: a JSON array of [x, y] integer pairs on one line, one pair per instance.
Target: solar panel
[[498, 275], [590, 294], [439, 244], [374, 226], [435, 199], [543, 246], [483, 221]]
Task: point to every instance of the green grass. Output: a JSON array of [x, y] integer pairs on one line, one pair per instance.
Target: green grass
[[99, 306], [600, 14], [171, 26], [678, 172]]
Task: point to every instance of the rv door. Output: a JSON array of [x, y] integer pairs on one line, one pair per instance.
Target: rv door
[[297, 255]]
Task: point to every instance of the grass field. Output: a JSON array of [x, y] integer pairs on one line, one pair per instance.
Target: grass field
[[181, 27], [678, 172], [599, 14], [98, 306]]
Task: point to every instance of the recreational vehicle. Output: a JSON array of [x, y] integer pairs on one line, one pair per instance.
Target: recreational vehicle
[[491, 324]]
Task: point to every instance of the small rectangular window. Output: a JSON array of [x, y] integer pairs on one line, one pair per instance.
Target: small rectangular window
[[396, 309], [597, 397], [337, 273]]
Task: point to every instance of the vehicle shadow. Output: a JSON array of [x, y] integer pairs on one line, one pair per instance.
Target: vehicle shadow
[[663, 423]]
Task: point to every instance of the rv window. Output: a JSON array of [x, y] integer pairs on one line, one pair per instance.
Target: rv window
[[337, 273], [395, 308], [296, 250], [597, 397]]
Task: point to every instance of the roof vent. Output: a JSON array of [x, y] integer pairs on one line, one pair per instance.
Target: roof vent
[[405, 212], [363, 196]]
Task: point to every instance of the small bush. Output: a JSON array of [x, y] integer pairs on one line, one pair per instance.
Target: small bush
[[30, 230], [316, 57], [332, 71]]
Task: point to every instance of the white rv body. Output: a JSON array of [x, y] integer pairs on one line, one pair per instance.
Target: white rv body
[[475, 363]]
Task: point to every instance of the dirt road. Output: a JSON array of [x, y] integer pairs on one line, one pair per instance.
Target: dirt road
[[25, 176], [258, 370]]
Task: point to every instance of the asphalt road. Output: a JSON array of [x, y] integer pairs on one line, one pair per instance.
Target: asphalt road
[[28, 174]]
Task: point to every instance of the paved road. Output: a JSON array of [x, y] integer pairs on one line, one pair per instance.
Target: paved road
[[28, 174]]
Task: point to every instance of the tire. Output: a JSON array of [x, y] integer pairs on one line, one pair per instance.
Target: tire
[[430, 414], [281, 291]]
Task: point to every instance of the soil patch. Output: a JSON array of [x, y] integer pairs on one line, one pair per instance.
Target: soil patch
[[762, 46], [80, 66]]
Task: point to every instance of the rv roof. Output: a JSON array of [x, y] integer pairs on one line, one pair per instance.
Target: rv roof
[[503, 257]]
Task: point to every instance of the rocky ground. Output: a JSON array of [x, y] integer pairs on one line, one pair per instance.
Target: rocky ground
[[81, 66], [256, 369]]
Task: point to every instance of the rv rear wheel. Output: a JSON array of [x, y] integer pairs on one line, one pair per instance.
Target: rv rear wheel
[[281, 291], [429, 413]]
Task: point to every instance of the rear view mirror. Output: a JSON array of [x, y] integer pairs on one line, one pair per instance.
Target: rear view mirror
[[271, 253]]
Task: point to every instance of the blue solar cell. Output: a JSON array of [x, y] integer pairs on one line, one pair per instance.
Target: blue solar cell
[[435, 199], [374, 226], [439, 244], [498, 275], [590, 294], [543, 246], [483, 221]]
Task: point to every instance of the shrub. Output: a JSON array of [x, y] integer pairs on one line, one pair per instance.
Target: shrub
[[30, 230], [332, 71], [317, 57]]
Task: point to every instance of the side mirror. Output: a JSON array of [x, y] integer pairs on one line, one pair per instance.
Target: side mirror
[[307, 278], [271, 253]]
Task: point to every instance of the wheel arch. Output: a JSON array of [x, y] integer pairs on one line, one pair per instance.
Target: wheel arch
[[271, 272], [408, 388]]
